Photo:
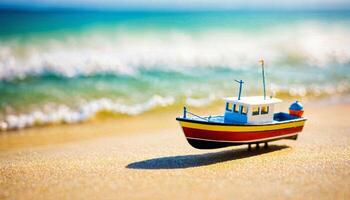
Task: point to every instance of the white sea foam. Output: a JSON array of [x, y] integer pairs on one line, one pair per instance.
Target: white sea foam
[[52, 114], [64, 114], [125, 53], [199, 102]]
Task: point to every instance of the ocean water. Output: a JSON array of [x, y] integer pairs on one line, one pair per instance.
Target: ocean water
[[67, 66]]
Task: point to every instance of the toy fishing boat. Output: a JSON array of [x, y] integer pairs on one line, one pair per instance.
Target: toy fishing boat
[[247, 120]]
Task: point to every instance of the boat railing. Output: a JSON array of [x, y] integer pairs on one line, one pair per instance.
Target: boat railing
[[188, 112]]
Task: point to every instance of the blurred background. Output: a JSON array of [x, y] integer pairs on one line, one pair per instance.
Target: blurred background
[[66, 61]]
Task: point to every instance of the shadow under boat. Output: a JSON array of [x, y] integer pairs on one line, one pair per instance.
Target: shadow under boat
[[197, 160]]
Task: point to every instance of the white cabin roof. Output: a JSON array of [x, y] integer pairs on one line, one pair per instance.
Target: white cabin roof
[[254, 100]]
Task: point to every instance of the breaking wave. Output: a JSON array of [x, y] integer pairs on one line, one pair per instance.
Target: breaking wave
[[72, 77], [64, 114], [127, 52]]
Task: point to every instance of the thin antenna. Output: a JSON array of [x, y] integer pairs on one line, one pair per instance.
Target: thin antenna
[[240, 88], [263, 75]]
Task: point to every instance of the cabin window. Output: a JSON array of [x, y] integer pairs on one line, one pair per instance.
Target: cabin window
[[264, 109], [236, 108], [244, 110], [255, 110], [229, 107]]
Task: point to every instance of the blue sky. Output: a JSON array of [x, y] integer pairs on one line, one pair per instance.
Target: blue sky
[[180, 4]]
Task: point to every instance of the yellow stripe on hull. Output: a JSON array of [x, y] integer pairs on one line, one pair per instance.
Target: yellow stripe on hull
[[240, 128]]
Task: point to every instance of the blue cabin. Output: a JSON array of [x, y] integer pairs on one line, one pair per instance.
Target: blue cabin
[[255, 109]]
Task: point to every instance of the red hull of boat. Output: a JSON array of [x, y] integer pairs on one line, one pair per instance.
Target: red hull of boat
[[208, 139]]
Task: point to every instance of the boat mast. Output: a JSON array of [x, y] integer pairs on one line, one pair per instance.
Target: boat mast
[[240, 88], [263, 75]]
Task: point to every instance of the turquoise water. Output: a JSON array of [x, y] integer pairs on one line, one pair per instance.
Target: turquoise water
[[66, 66]]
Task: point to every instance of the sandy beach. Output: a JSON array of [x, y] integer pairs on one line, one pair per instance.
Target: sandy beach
[[133, 158]]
